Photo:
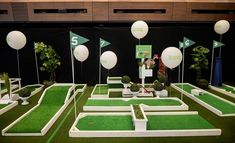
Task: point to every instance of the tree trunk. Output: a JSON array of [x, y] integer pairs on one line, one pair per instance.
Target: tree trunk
[[52, 76], [199, 74]]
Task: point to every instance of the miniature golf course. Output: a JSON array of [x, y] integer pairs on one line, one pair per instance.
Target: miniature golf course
[[34, 122], [221, 105], [59, 131], [155, 122], [226, 88], [101, 90], [30, 87], [3, 105], [120, 102]]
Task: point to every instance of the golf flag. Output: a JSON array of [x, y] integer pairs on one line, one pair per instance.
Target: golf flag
[[103, 43], [187, 42], [181, 44], [217, 44], [76, 39]]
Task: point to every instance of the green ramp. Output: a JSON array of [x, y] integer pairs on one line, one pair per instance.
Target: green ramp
[[226, 107], [36, 120]]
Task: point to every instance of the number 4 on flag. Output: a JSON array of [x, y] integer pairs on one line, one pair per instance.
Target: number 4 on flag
[[217, 44]]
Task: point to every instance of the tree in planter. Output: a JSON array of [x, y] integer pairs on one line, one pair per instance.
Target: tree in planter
[[158, 87], [135, 88], [49, 57], [24, 95], [126, 81], [199, 57]]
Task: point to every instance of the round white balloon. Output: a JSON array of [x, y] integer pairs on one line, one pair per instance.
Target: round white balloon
[[139, 29], [108, 59], [171, 57], [16, 39], [221, 26], [81, 53]]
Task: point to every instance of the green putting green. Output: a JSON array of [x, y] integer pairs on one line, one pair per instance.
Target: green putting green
[[105, 123], [101, 90], [31, 88], [115, 85], [38, 118], [217, 103], [226, 88], [119, 102], [3, 105], [79, 87], [3, 86], [177, 122]]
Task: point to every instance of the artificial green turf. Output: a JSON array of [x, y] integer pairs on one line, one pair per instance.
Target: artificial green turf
[[38, 118], [217, 103], [226, 88], [116, 85], [101, 90], [105, 123], [3, 86], [149, 102], [3, 105], [79, 86], [31, 88], [177, 122]]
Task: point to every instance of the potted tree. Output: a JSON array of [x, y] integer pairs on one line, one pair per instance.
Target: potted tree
[[200, 60], [7, 84], [134, 89], [158, 87], [126, 81], [24, 95]]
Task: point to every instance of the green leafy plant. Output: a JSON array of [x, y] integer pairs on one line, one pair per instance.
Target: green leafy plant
[[158, 86], [25, 92], [199, 57], [126, 79], [203, 83], [49, 57], [134, 87], [138, 112], [5, 78]]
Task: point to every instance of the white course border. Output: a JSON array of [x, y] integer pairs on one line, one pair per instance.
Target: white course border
[[99, 95], [75, 132], [204, 104], [8, 107], [110, 81], [223, 91], [183, 106], [52, 120]]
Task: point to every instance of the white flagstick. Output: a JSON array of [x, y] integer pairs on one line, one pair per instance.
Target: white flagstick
[[212, 63], [18, 62], [179, 74], [36, 63], [182, 76], [99, 67]]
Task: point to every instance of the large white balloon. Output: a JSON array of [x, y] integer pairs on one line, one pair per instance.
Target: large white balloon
[[221, 26], [139, 29], [81, 53], [108, 59], [171, 57], [16, 39]]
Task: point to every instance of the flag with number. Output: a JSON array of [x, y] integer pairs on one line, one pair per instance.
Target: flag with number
[[217, 44], [103, 43], [76, 39], [187, 42]]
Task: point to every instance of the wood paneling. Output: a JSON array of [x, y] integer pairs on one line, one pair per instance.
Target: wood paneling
[[20, 11], [60, 16], [100, 11], [138, 6], [6, 12]]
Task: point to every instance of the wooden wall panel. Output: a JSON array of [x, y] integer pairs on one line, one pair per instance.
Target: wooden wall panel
[[136, 7], [57, 11], [100, 11], [210, 11], [179, 11], [6, 12]]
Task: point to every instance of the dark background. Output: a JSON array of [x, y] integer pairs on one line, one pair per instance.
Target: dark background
[[160, 36]]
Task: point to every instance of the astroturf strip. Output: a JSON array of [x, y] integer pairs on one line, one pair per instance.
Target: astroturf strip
[[217, 103], [226, 88], [177, 122], [39, 117], [149, 102], [62, 122], [105, 122], [3, 105], [101, 90]]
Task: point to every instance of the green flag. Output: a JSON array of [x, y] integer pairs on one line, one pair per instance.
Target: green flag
[[103, 43], [181, 44], [187, 42], [217, 44], [76, 39]]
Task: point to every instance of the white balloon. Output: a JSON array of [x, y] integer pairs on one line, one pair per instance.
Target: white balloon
[[16, 39], [139, 29], [171, 57], [221, 26], [81, 53], [108, 59]]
